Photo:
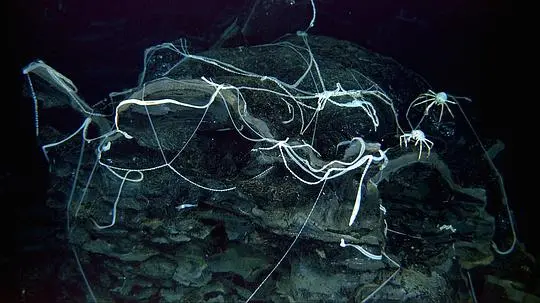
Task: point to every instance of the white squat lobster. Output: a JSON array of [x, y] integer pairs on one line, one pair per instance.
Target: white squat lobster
[[419, 138]]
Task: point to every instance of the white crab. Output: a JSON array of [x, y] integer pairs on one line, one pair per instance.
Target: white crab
[[433, 98], [419, 137]]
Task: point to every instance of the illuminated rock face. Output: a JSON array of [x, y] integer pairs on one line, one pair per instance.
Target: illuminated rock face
[[213, 166]]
